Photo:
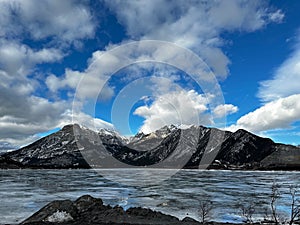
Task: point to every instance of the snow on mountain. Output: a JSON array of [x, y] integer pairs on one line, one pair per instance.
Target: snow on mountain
[[171, 146]]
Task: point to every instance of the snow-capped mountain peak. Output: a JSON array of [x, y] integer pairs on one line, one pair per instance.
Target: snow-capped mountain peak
[[112, 134], [69, 147]]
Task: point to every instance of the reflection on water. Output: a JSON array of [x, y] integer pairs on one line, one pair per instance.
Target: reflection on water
[[23, 192]]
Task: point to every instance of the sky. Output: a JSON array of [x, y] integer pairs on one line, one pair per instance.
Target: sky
[[135, 66]]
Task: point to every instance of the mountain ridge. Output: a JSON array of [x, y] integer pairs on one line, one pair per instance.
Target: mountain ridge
[[193, 147]]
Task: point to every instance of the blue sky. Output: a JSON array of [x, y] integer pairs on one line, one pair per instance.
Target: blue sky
[[139, 65]]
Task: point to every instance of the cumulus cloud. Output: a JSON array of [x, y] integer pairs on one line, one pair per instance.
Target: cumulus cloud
[[64, 21], [92, 81], [181, 107], [103, 64], [22, 117], [224, 110], [24, 111], [26, 114], [70, 79], [195, 25], [277, 114], [18, 59], [23, 114]]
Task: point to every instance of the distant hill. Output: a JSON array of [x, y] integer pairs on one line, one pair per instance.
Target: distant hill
[[169, 147]]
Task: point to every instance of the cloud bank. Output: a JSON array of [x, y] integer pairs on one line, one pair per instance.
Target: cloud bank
[[196, 25], [277, 114], [36, 34]]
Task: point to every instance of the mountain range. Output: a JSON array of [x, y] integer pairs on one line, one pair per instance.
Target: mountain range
[[193, 147]]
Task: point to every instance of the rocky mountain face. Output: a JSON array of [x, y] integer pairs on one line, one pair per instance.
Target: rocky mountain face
[[58, 150], [169, 147]]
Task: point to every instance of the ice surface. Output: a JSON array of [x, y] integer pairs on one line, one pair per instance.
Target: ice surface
[[23, 192]]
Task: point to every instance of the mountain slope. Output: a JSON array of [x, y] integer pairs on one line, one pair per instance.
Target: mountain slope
[[58, 150], [169, 147], [243, 147], [285, 157]]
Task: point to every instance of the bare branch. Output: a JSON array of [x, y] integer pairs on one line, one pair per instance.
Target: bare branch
[[247, 212], [295, 209], [205, 210], [275, 194]]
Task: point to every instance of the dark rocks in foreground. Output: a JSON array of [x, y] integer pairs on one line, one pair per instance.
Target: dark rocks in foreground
[[88, 210]]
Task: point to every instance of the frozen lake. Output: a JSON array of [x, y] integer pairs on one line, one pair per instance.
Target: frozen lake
[[23, 192]]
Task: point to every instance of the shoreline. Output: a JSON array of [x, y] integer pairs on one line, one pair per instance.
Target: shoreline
[[89, 210], [143, 168]]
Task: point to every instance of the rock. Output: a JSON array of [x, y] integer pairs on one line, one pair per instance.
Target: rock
[[149, 214], [87, 203], [190, 220], [49, 212], [88, 210], [7, 163]]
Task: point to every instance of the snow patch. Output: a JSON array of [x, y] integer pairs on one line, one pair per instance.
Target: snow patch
[[59, 217], [186, 126], [65, 142]]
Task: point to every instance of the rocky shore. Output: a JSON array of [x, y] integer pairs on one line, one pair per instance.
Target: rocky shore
[[88, 210]]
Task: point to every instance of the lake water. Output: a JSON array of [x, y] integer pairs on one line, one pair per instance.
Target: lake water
[[23, 192]]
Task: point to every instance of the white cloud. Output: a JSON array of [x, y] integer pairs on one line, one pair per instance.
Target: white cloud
[[224, 110], [194, 24], [277, 114], [69, 117], [64, 21], [70, 79], [19, 59], [180, 107], [164, 84], [92, 80], [281, 97], [286, 80], [276, 16], [23, 114], [22, 117], [103, 64]]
